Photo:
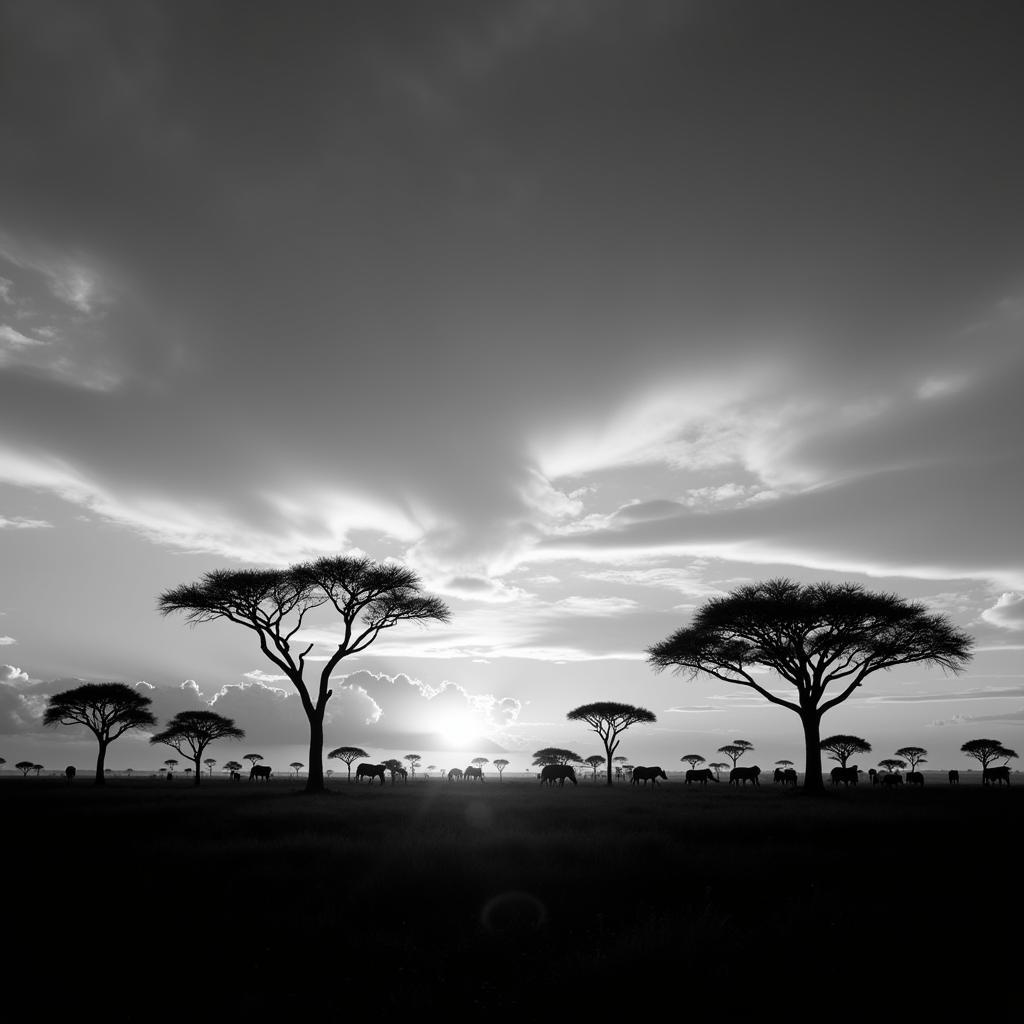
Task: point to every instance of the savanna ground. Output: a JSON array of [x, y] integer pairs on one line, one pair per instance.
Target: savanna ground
[[499, 898]]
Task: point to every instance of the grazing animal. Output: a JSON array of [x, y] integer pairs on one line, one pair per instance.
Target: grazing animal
[[259, 771], [399, 773], [789, 777], [455, 775], [236, 776], [738, 775], [701, 775], [954, 778], [642, 774], [915, 779], [892, 779], [371, 772], [552, 773], [996, 776], [69, 772], [779, 775], [473, 772], [874, 776], [847, 776]]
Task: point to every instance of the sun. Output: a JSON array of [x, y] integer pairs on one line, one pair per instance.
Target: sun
[[459, 732]]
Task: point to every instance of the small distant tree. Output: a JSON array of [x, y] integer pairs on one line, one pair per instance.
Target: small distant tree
[[915, 755], [329, 772], [108, 710], [735, 750], [555, 755], [393, 765], [295, 766], [170, 764], [24, 767], [717, 766], [501, 764], [594, 761], [348, 755], [841, 748], [609, 720], [983, 751], [693, 759], [188, 771], [784, 763], [479, 761], [129, 772], [209, 762], [413, 759], [191, 732], [232, 766], [252, 758], [892, 764], [37, 768]]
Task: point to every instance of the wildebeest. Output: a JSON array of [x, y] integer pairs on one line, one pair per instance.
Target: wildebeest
[[259, 771], [455, 775], [915, 779], [552, 773], [738, 775], [892, 779], [642, 774], [996, 776], [848, 776], [789, 777], [473, 772], [954, 778], [69, 772], [371, 772], [701, 775]]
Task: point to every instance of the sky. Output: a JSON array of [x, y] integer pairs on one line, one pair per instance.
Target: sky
[[587, 312]]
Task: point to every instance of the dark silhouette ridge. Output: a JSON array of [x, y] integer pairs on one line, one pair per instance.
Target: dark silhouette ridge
[[642, 774], [811, 636], [260, 771], [108, 710], [348, 755], [552, 773], [191, 732], [371, 772], [745, 775], [609, 720], [273, 603]]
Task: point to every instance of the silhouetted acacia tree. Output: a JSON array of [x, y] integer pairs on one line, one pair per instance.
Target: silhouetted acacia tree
[[479, 761], [784, 763], [209, 762], [915, 755], [735, 750], [983, 751], [609, 720], [693, 759], [171, 763], [413, 759], [348, 755], [812, 636], [108, 710], [501, 764], [555, 755], [393, 765], [295, 766], [273, 603], [892, 764], [233, 766], [252, 758], [717, 767], [595, 761], [24, 767], [191, 732], [841, 748]]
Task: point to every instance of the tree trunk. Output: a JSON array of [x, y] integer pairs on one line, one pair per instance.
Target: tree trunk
[[315, 778], [609, 768], [349, 763], [199, 768], [100, 777], [812, 738]]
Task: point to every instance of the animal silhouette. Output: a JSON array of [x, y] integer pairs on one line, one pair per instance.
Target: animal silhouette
[[399, 773], [915, 779], [789, 777], [642, 774], [874, 776], [996, 776], [69, 772], [892, 780], [954, 778], [744, 775], [236, 776], [701, 775], [847, 776], [455, 775], [371, 772], [552, 773], [259, 771], [473, 772]]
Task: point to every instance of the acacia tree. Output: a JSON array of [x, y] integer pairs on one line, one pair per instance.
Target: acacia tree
[[108, 710], [892, 764], [609, 720], [555, 755], [812, 636], [209, 762], [171, 763], [735, 750], [413, 759], [233, 766], [501, 764], [348, 755], [273, 603], [983, 751], [252, 758], [693, 759], [915, 755], [24, 767], [191, 732], [595, 761], [717, 766], [480, 762], [841, 748], [295, 766]]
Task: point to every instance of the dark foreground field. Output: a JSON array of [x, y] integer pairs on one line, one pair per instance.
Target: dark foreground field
[[504, 898]]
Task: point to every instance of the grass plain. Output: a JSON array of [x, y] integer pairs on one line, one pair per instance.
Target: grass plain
[[503, 899]]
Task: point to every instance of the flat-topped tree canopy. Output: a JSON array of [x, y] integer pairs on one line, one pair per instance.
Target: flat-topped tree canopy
[[813, 637], [609, 719], [191, 732], [273, 603], [842, 747]]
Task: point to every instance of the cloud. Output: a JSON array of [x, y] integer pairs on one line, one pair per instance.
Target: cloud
[[6, 641], [9, 675], [1009, 717], [16, 338], [985, 693], [19, 523], [1007, 612]]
